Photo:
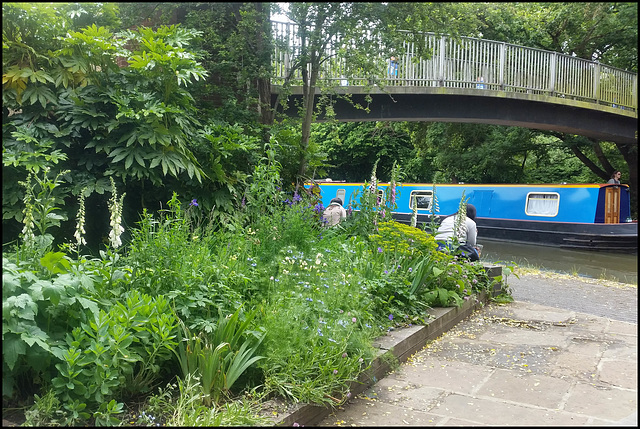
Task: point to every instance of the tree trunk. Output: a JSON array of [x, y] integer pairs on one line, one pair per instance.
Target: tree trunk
[[601, 157], [309, 90], [592, 166], [630, 154], [264, 84]]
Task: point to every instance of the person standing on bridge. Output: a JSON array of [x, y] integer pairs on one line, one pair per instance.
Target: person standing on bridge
[[393, 67], [615, 178]]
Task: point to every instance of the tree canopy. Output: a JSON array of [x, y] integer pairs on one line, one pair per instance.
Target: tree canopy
[[175, 97]]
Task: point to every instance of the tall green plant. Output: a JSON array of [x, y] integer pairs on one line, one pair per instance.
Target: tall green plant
[[221, 357], [41, 211]]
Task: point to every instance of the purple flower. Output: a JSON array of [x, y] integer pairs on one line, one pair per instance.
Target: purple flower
[[344, 355], [379, 249], [335, 371], [296, 197], [194, 202], [391, 317]]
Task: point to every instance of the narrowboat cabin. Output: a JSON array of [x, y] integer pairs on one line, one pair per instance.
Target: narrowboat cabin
[[579, 216]]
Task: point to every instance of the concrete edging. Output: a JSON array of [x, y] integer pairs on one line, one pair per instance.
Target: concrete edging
[[397, 345]]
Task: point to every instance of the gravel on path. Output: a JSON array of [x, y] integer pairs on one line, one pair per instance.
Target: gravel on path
[[603, 298]]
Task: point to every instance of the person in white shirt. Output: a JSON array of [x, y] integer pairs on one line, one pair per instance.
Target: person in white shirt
[[467, 234], [334, 213]]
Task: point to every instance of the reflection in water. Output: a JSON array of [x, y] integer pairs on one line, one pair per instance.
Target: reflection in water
[[611, 266]]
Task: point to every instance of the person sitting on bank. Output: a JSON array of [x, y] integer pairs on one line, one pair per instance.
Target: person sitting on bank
[[467, 234], [615, 178], [334, 213]]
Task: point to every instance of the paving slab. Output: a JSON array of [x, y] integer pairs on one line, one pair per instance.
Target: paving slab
[[520, 364]]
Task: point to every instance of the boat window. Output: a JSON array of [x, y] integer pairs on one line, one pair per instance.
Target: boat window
[[340, 193], [423, 199], [542, 204]]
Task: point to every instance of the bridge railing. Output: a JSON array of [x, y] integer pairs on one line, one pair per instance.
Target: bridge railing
[[473, 63]]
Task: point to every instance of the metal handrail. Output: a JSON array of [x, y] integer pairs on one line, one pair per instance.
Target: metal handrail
[[466, 62]]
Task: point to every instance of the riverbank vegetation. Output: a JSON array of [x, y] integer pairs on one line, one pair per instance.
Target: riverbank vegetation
[[280, 307]]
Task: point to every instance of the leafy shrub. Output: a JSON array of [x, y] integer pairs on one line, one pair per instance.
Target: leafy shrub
[[403, 240], [169, 257], [119, 352], [38, 309]]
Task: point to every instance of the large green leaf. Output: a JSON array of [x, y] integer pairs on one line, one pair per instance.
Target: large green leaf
[[56, 262], [12, 348]]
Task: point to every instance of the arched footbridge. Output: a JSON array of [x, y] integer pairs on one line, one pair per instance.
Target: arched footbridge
[[473, 81]]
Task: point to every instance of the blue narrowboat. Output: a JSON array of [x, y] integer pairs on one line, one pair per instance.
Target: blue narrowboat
[[578, 216]]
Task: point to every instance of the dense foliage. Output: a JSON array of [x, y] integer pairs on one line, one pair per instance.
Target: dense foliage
[[154, 248], [283, 306]]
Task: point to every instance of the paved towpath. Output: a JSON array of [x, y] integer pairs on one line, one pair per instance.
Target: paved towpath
[[617, 301], [565, 353]]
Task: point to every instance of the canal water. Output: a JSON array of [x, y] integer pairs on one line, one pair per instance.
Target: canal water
[[611, 266]]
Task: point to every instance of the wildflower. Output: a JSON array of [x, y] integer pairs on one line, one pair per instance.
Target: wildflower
[[79, 234], [193, 202], [379, 249], [115, 207], [320, 332], [344, 355], [391, 317], [335, 371], [354, 320], [27, 231], [414, 213]]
